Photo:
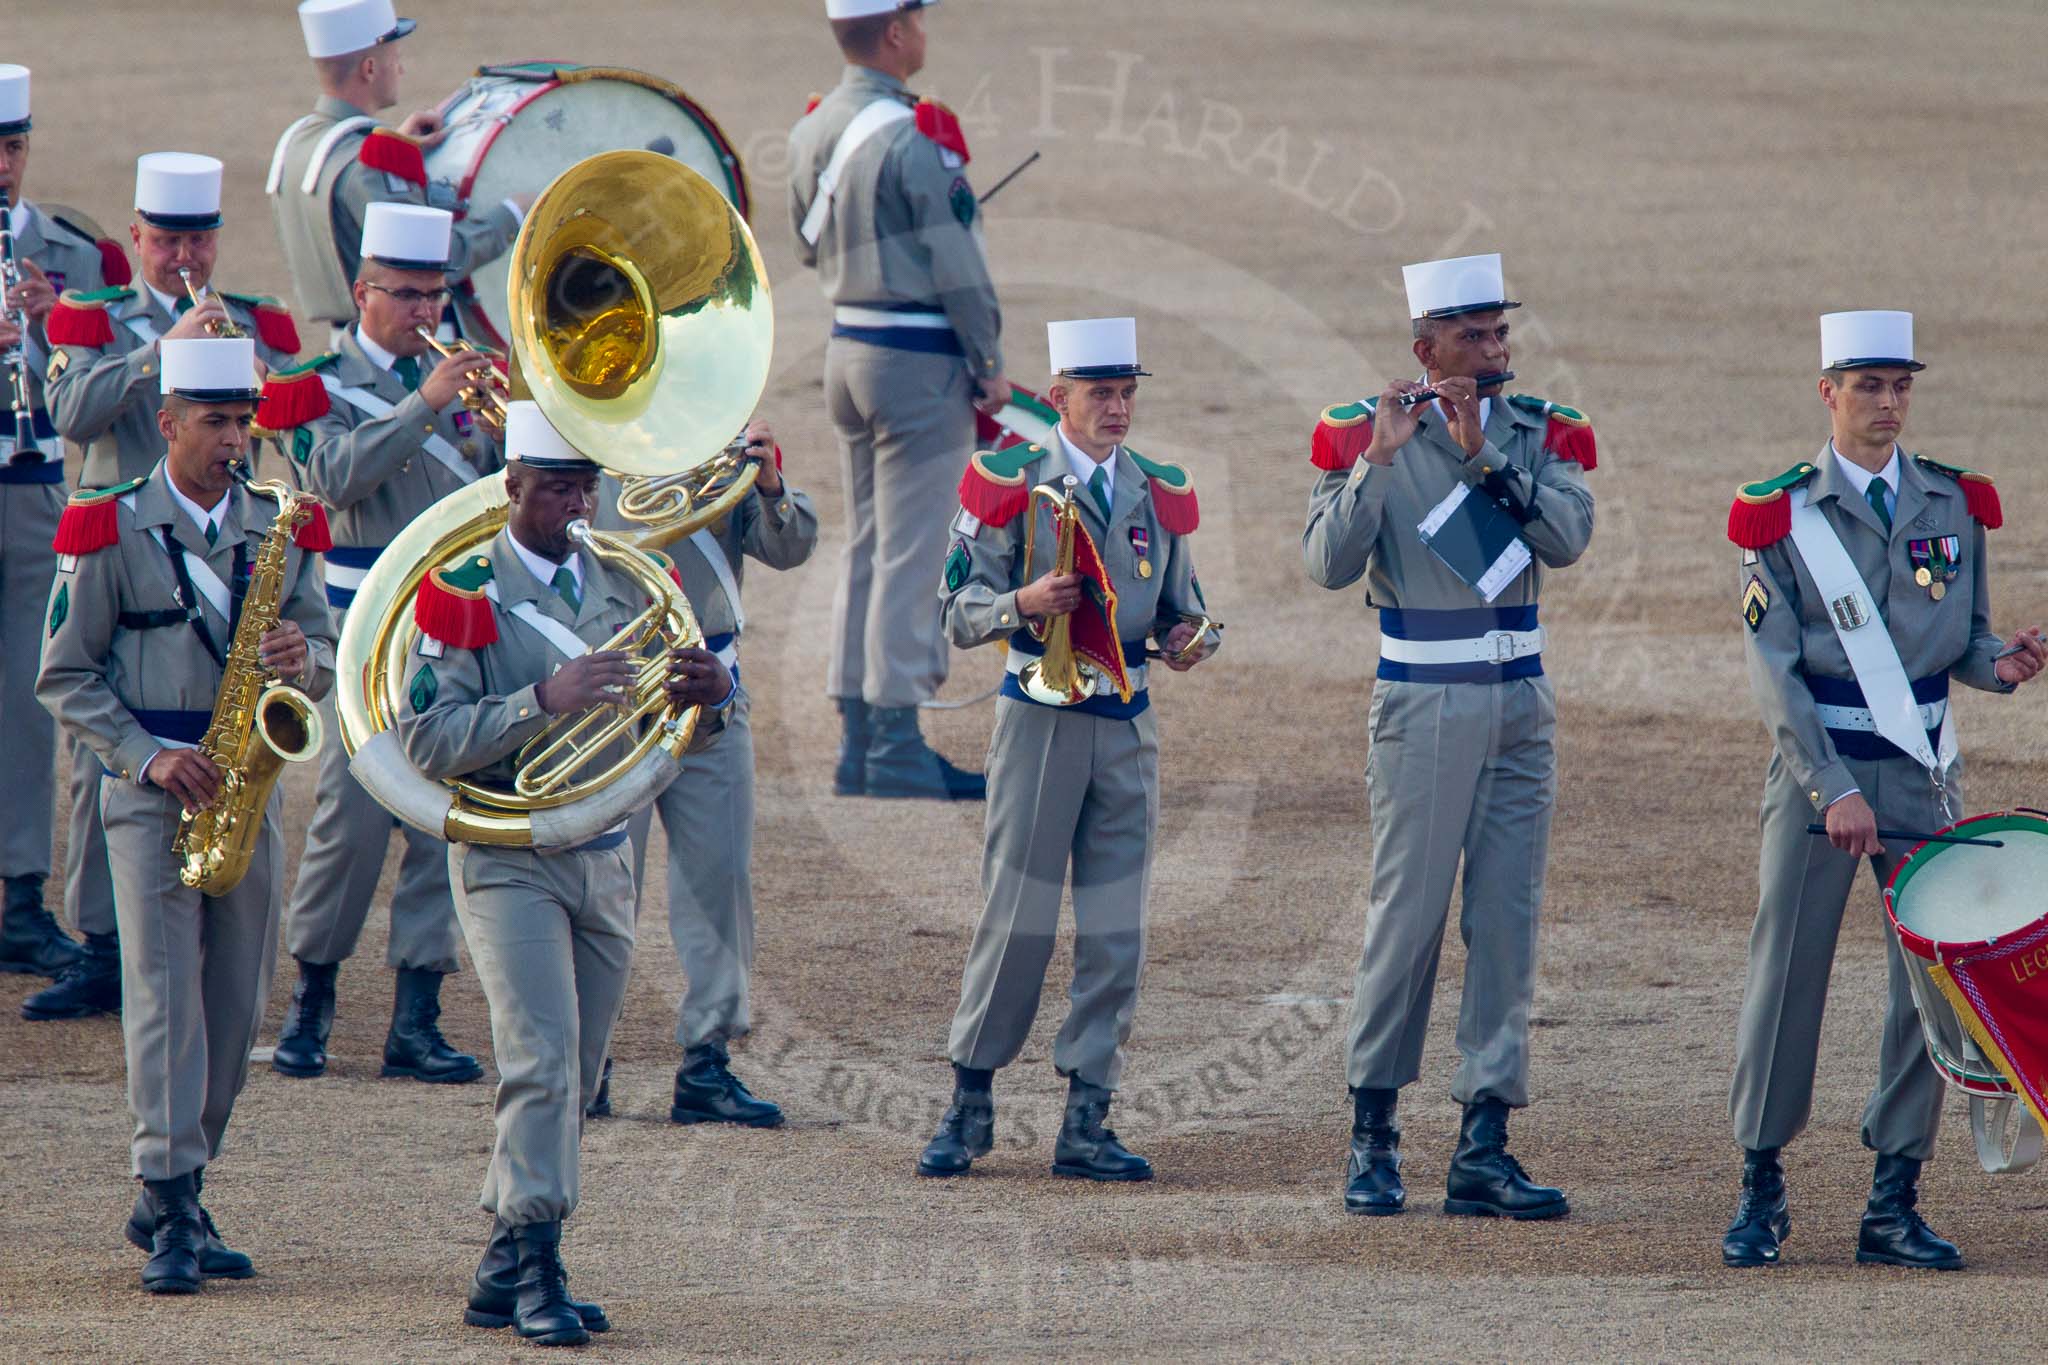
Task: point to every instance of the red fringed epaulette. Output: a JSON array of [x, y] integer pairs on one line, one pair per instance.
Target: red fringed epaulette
[[79, 320], [294, 397], [1761, 515], [1342, 435], [275, 328], [113, 262], [994, 489], [92, 521], [1570, 441], [811, 104], [1173, 494], [942, 126], [394, 154], [451, 606], [1980, 495], [313, 534]]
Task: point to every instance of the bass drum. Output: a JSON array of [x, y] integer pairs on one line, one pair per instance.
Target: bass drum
[[513, 129]]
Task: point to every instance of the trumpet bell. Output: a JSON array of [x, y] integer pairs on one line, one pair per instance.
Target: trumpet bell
[[1039, 684], [640, 312]]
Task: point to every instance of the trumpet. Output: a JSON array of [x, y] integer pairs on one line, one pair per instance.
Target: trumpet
[[1061, 676], [485, 396], [227, 327]]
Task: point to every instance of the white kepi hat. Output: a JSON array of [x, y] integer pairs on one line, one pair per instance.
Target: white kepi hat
[[1463, 284], [1854, 341], [862, 9], [1095, 348], [178, 190], [13, 99], [407, 236], [209, 369], [533, 441], [335, 28]]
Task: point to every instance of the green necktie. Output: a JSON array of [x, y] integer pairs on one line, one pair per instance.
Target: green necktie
[[408, 371], [565, 584], [1873, 493], [1098, 484], [212, 531]]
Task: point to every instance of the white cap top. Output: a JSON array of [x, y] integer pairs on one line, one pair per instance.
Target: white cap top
[[409, 236], [1464, 284], [1852, 340], [222, 368], [335, 28], [178, 189], [13, 98], [1094, 347], [861, 9], [531, 439]]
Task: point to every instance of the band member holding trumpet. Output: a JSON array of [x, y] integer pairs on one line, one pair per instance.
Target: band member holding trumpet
[[1451, 508], [40, 255], [379, 430], [151, 582], [1853, 680], [1074, 764], [104, 374], [551, 934]]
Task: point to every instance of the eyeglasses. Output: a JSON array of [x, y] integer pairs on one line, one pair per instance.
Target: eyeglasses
[[412, 297]]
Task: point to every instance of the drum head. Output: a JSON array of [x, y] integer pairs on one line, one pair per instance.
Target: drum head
[[1954, 894]]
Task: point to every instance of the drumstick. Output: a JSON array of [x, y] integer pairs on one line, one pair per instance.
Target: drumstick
[[1022, 166], [1908, 836]]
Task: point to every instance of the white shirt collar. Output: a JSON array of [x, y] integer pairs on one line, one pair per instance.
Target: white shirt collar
[[541, 569], [1859, 476], [375, 354], [200, 516], [170, 305], [1083, 464]]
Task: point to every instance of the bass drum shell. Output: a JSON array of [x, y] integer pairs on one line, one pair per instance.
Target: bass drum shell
[[514, 128]]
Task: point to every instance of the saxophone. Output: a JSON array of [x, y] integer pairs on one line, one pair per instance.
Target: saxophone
[[259, 723]]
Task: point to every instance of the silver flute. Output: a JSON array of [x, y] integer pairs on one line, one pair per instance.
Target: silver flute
[[14, 360]]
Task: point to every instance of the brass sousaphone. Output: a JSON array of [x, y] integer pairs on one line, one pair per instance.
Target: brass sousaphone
[[642, 326]]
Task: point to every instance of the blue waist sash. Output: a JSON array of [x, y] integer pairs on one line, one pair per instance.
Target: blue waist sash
[[1867, 744], [1465, 623]]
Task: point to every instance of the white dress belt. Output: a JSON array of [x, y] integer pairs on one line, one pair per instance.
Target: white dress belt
[[1015, 660], [1494, 647], [847, 315], [1859, 717]]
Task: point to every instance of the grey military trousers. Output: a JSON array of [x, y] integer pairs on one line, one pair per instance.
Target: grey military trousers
[[906, 429], [707, 814], [1457, 773], [1064, 789], [28, 737], [1804, 887], [195, 972], [88, 881], [551, 938], [339, 870]]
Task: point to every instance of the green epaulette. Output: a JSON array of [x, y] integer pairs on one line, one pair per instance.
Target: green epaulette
[[86, 497], [1007, 464], [1768, 490], [320, 361], [470, 575], [1170, 476], [1351, 414], [1543, 407], [247, 300], [113, 293], [1954, 471]]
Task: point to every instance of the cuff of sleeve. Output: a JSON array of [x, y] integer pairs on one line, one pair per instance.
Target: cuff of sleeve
[[1487, 460], [1006, 617], [526, 716], [142, 364], [1830, 785], [132, 759], [518, 214]]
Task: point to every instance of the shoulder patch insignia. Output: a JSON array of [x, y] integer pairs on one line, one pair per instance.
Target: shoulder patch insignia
[[961, 197], [957, 566], [1980, 494], [1756, 600], [1762, 513], [302, 443], [60, 607], [425, 687]]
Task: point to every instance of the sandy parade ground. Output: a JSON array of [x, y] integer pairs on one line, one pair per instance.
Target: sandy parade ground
[[1679, 189]]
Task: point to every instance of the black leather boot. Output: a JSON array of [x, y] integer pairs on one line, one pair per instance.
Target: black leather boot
[[969, 1128], [175, 1237], [89, 986], [600, 1106], [708, 1092], [217, 1260], [1485, 1181], [494, 1293], [1893, 1232], [1762, 1220], [415, 1047], [30, 941], [1087, 1149], [302, 1047], [542, 1311], [850, 778], [1373, 1179], [901, 764]]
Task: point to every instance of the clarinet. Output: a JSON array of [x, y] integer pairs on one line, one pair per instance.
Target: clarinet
[[14, 359]]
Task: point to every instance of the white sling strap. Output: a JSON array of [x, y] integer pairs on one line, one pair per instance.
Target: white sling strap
[[1873, 658], [272, 181], [326, 146], [882, 113], [142, 327], [714, 555], [369, 402], [554, 632], [204, 579]]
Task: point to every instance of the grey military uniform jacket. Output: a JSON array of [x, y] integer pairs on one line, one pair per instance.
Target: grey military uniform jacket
[[72, 260], [101, 665], [375, 473], [106, 398], [1362, 517], [322, 232], [905, 227], [1791, 636]]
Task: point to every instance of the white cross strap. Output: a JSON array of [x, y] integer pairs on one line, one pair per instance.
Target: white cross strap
[[881, 114], [272, 181], [565, 640], [714, 555], [365, 401]]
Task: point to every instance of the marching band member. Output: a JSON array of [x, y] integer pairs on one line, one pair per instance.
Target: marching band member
[[105, 368], [551, 934], [378, 430], [883, 212], [334, 163], [1853, 682], [708, 811], [1462, 763], [147, 598], [1068, 784], [50, 255]]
